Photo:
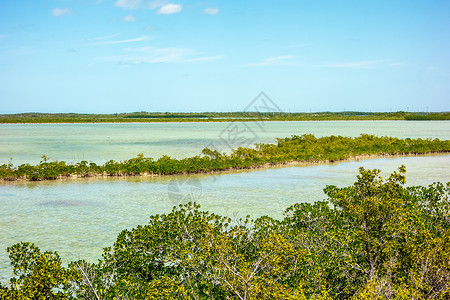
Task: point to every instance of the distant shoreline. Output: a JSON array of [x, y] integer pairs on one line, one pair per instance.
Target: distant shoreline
[[146, 117]]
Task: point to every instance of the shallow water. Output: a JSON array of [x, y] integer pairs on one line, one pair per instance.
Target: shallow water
[[78, 218], [26, 143]]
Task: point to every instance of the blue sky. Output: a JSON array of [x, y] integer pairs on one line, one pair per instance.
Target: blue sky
[[112, 56]]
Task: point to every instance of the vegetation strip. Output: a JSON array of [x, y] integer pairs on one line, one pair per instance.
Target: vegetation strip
[[375, 239], [305, 149], [145, 117]]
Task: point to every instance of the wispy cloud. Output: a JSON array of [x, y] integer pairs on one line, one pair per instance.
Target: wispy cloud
[[169, 9], [355, 64], [128, 4], [275, 60], [103, 37], [3, 36], [57, 12], [138, 39], [210, 11], [129, 18], [151, 55]]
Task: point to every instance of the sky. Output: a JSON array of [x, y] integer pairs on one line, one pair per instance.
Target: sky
[[113, 56]]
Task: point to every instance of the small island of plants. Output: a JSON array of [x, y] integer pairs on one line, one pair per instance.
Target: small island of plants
[[296, 149], [375, 239]]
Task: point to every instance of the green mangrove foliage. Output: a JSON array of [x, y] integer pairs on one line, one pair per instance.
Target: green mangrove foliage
[[375, 239], [305, 148]]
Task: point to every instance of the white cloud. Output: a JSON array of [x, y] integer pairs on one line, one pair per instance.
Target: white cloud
[[151, 55], [169, 9], [156, 3], [275, 60], [129, 18], [164, 6], [57, 12], [210, 11], [355, 65], [138, 39], [128, 4]]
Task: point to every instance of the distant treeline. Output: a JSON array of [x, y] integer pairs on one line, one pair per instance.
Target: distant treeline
[[216, 117], [437, 116], [165, 116], [305, 148]]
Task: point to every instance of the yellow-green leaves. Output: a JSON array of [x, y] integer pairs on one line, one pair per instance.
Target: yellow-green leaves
[[38, 275]]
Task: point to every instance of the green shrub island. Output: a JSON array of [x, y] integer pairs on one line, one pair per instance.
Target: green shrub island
[[305, 148], [375, 239]]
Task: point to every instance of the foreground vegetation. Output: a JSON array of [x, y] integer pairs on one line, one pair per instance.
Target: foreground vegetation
[[375, 239], [305, 148], [216, 117]]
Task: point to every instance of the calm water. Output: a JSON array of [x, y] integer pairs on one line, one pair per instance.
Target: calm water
[[26, 143], [77, 218]]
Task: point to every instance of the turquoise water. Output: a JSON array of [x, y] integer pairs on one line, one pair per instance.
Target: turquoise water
[[26, 143], [80, 217]]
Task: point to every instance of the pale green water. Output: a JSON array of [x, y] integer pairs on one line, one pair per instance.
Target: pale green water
[[26, 143], [77, 218]]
